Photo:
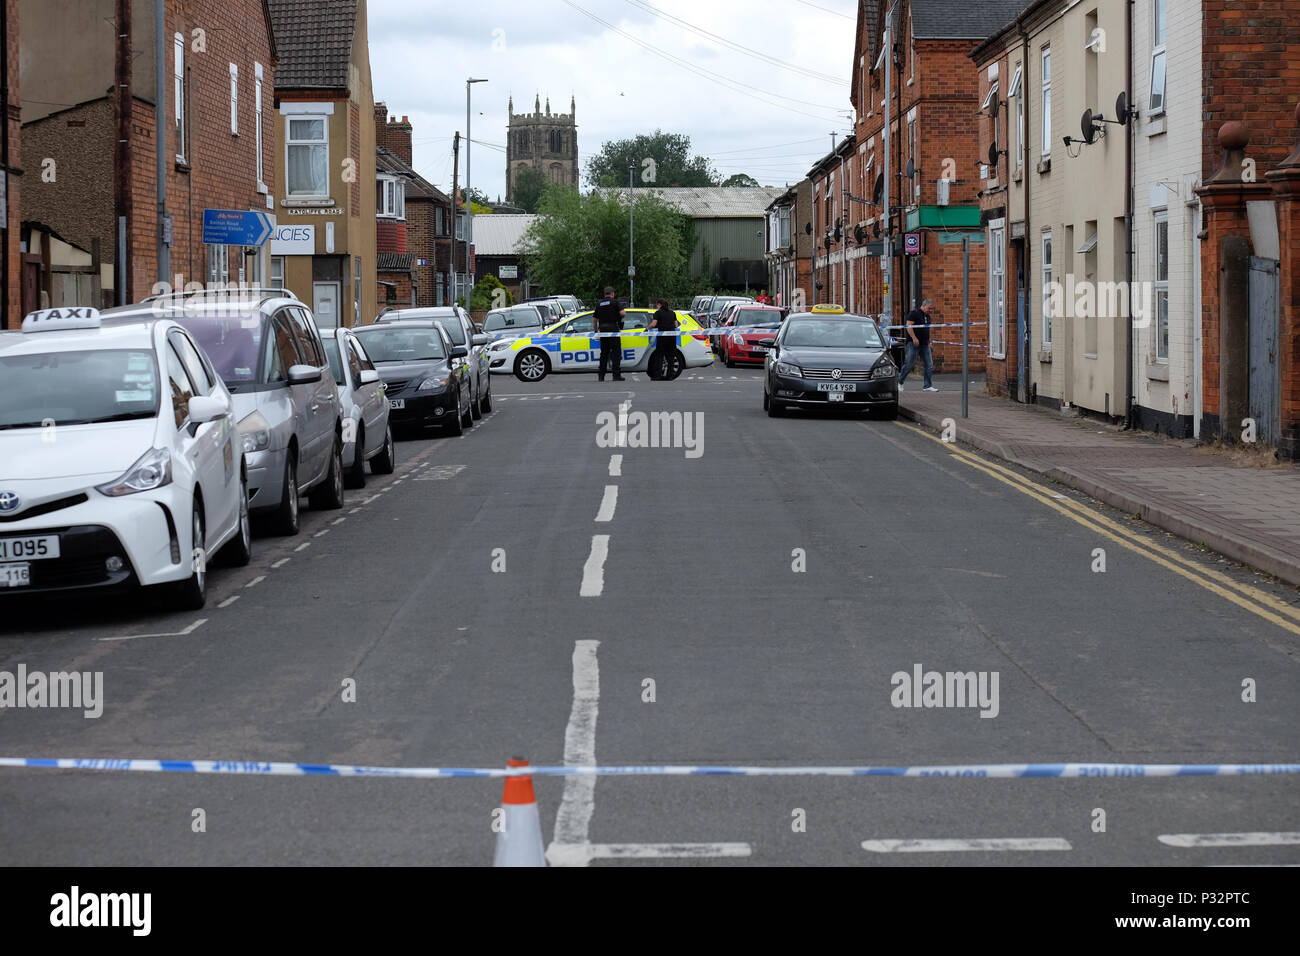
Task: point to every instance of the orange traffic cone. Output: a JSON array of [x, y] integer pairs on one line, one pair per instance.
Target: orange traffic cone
[[519, 843]]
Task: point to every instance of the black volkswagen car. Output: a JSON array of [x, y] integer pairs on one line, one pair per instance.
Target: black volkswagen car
[[414, 360], [828, 357]]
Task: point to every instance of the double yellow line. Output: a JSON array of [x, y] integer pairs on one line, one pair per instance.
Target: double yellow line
[[1252, 599]]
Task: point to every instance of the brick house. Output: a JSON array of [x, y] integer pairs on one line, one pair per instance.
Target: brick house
[[13, 298], [933, 127], [325, 157], [413, 222], [219, 68], [790, 246]]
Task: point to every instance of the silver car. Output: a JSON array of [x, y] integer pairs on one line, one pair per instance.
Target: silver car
[[265, 346], [514, 321], [367, 436], [455, 321]]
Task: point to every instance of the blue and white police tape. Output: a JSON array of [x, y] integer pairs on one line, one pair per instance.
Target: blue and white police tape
[[995, 770]]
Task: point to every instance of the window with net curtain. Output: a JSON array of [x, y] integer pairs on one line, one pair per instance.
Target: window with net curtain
[[308, 157]]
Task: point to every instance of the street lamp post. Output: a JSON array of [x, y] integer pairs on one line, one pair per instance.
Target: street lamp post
[[631, 262], [469, 204]]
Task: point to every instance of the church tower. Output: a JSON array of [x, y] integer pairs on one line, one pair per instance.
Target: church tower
[[543, 140]]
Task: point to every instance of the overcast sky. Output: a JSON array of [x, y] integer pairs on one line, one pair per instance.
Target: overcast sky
[[760, 118]]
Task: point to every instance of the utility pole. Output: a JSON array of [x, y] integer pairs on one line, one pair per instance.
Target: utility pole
[[631, 236], [122, 154], [887, 302], [160, 139], [455, 172]]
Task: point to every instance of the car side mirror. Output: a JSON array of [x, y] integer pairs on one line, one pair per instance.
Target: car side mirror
[[368, 376], [459, 351], [767, 343], [207, 408], [303, 374], [481, 339]]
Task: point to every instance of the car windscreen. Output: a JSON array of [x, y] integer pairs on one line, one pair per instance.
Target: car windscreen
[[392, 344], [521, 319], [455, 331], [832, 334], [233, 342], [77, 388], [335, 360]]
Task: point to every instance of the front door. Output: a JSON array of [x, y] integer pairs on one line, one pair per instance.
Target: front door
[[325, 304]]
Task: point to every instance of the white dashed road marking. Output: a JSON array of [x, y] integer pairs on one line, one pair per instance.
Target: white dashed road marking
[[593, 572], [1015, 844], [1200, 840], [303, 546], [229, 601], [573, 819], [282, 561], [615, 466], [608, 504], [257, 580]]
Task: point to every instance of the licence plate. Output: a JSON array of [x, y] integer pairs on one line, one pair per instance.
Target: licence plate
[[15, 575], [397, 403], [37, 546], [837, 387], [835, 397]]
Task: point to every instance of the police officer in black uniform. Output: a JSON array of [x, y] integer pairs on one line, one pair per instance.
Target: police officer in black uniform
[[609, 318], [662, 365]]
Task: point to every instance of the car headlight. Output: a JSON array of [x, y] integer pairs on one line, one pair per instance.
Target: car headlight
[[884, 370], [784, 368], [255, 431], [434, 383], [152, 470], [738, 340]]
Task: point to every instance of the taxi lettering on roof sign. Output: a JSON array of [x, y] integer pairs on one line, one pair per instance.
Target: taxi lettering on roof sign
[[69, 317], [825, 307]]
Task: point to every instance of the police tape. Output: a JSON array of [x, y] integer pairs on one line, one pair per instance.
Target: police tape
[[1004, 770]]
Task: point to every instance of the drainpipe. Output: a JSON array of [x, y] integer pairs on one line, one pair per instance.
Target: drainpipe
[[1026, 334], [160, 138], [1128, 219]]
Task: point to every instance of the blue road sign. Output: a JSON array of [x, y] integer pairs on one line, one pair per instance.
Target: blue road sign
[[236, 227]]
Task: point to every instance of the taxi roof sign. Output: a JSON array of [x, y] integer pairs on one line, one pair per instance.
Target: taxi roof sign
[[827, 307], [68, 317]]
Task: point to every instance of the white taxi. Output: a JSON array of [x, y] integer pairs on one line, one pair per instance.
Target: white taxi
[[120, 465], [571, 345]]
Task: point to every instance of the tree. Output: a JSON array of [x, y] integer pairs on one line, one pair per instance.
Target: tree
[[527, 188], [477, 197], [741, 179], [485, 295], [579, 245], [670, 162]]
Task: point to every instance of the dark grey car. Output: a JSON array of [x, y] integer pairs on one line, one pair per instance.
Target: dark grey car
[[455, 321], [830, 359]]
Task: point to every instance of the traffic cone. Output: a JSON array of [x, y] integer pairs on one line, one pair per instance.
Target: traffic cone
[[520, 843]]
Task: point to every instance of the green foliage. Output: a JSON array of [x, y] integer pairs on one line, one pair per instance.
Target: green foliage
[[527, 188], [580, 245], [673, 164], [483, 295], [740, 179]]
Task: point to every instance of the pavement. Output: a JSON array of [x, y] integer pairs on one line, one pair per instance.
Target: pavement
[[759, 598], [1243, 511]]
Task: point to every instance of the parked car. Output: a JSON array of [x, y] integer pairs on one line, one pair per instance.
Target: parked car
[[424, 383], [829, 357], [554, 306], [122, 465], [455, 321], [746, 327], [367, 436], [265, 346], [513, 321]]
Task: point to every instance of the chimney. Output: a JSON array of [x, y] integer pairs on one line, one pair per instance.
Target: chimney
[[398, 138], [381, 124]]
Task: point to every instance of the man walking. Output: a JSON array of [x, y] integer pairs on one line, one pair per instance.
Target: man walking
[[918, 344], [609, 318], [661, 364]]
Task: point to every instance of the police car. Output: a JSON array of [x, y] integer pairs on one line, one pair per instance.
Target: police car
[[572, 346], [120, 464]]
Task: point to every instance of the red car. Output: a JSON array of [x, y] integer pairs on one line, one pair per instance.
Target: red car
[[751, 323]]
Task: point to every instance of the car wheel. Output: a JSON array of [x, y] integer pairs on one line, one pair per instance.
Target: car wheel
[[486, 403], [386, 461], [467, 416], [456, 426], [674, 364], [774, 408], [356, 477], [329, 493], [889, 412], [192, 593], [766, 401], [532, 366], [239, 549], [476, 407], [728, 362], [286, 516]]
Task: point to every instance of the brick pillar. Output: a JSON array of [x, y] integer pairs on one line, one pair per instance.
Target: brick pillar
[[1224, 200], [398, 138], [1285, 180], [381, 125]]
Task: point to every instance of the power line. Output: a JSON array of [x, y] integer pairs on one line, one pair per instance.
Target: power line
[[740, 48], [797, 142], [707, 74], [834, 13]]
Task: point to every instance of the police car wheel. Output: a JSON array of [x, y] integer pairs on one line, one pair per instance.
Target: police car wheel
[[532, 366]]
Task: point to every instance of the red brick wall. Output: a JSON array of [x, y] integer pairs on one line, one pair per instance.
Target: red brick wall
[[13, 305], [419, 223], [390, 235], [403, 283]]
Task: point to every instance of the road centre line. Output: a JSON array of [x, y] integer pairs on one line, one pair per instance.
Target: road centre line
[[580, 854], [608, 504], [257, 580], [303, 546], [1207, 840], [339, 520], [229, 601], [616, 466], [1013, 844], [1266, 605], [593, 572], [573, 818], [321, 533], [281, 562]]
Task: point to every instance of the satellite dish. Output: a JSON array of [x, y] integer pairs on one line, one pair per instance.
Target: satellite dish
[[994, 104], [1087, 128], [859, 233], [911, 169], [807, 228], [993, 154], [1121, 108]]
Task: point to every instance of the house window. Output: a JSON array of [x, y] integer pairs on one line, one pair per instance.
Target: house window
[[257, 116], [234, 100], [911, 152], [997, 290], [178, 76], [460, 225], [307, 163], [441, 227], [1047, 288], [1047, 102], [1162, 286], [1157, 104], [390, 198], [440, 290], [218, 265], [1016, 92], [277, 272]]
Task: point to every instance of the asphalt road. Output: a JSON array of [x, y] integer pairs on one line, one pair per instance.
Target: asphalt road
[[769, 588]]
